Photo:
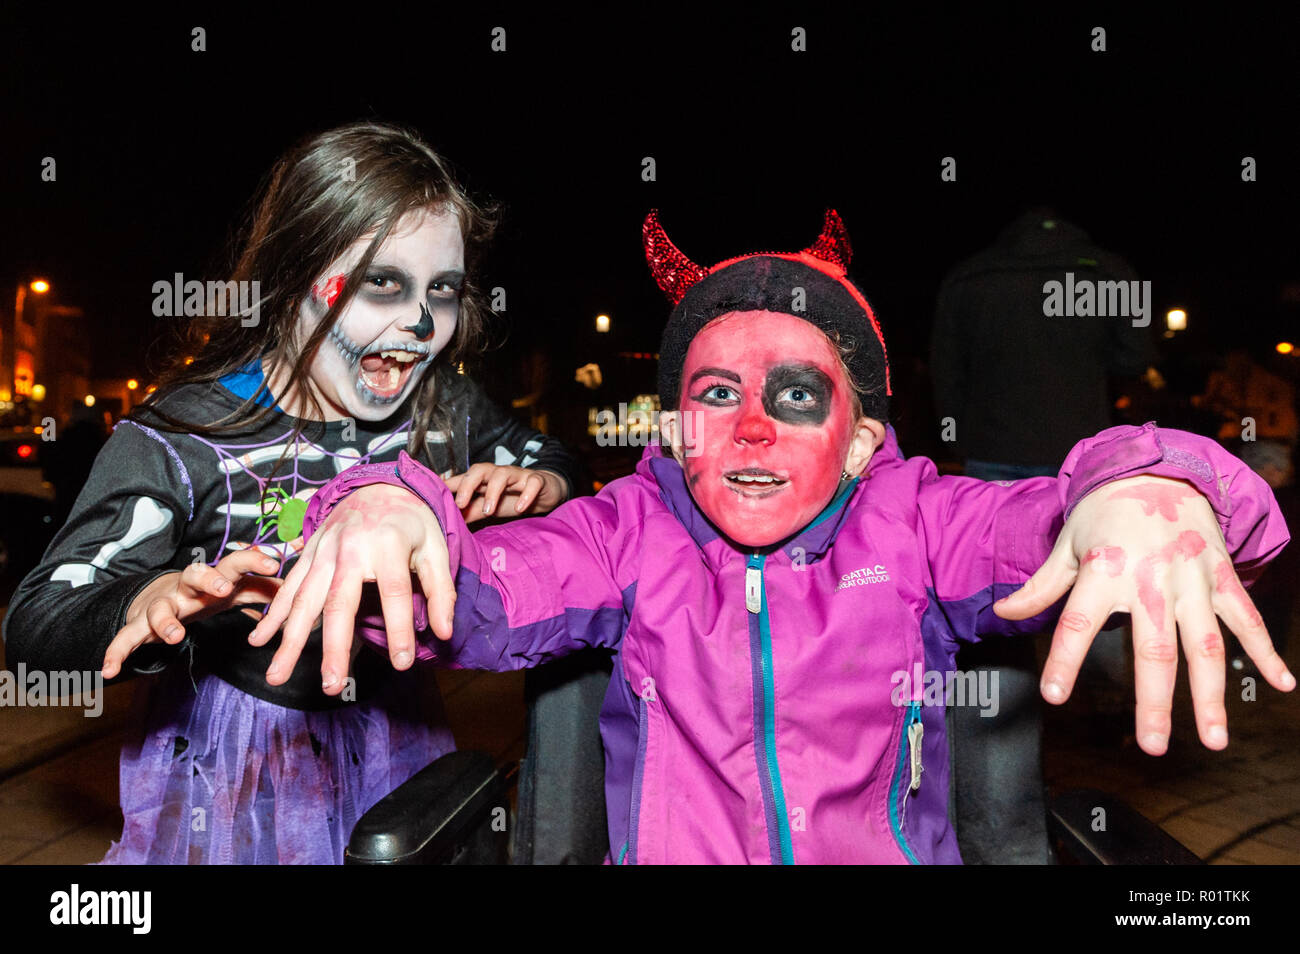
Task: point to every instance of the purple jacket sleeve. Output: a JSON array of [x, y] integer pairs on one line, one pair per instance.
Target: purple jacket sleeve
[[527, 591], [984, 539]]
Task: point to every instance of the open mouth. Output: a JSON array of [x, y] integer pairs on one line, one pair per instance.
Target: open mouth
[[382, 374], [385, 373], [754, 481]]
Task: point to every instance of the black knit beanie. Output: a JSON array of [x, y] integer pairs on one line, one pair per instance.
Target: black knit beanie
[[811, 285]]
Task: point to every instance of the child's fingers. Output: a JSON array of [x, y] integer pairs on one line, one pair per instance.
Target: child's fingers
[[1051, 581], [282, 603], [128, 639], [250, 560], [162, 619], [497, 483], [429, 587], [395, 598], [256, 589], [202, 579], [1237, 609], [1085, 613], [307, 605], [1155, 669], [434, 572], [340, 614], [533, 485], [469, 484], [1206, 666]]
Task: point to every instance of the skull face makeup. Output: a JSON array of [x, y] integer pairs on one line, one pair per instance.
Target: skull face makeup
[[773, 423], [397, 322]]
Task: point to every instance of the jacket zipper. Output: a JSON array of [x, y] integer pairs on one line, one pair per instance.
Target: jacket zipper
[[770, 772], [909, 766]]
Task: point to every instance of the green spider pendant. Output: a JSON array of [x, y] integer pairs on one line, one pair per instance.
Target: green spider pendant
[[286, 514]]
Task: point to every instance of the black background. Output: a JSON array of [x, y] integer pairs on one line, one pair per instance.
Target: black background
[[160, 149]]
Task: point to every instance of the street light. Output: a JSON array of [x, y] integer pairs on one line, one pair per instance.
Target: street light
[[602, 323], [1176, 320], [132, 384], [38, 286]]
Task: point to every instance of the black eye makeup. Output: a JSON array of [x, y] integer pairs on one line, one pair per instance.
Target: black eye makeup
[[447, 285], [798, 394], [393, 284], [386, 283]]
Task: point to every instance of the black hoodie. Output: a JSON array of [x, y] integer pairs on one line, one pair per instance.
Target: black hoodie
[[1021, 387]]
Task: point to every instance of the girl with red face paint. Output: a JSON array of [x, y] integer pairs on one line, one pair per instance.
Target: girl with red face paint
[[779, 584], [195, 509]]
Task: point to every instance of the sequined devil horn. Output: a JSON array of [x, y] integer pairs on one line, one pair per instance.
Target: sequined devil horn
[[673, 271], [833, 244]]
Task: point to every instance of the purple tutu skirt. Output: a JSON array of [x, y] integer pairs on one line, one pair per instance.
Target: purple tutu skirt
[[212, 775]]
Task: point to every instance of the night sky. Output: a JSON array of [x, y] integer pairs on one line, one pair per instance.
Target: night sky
[[160, 149]]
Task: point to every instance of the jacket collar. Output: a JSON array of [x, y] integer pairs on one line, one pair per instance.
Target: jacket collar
[[811, 542]]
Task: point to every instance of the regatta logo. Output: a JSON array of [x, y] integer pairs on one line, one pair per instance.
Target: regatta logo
[[1086, 298], [20, 689], [977, 687], [863, 577], [75, 906], [194, 299]]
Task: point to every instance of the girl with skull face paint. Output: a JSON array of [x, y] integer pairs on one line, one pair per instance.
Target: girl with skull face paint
[[781, 586], [195, 510]]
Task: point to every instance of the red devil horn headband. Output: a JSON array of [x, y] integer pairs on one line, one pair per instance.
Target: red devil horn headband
[[675, 273]]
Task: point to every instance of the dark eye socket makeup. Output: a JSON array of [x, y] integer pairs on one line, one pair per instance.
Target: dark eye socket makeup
[[389, 282], [784, 381]]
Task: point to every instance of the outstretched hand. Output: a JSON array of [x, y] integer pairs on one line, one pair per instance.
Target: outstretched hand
[[156, 614], [1151, 547], [379, 533]]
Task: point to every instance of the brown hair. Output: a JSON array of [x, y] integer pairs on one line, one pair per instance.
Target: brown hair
[[320, 198]]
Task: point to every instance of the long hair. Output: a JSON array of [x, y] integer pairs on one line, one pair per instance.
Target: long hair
[[320, 198]]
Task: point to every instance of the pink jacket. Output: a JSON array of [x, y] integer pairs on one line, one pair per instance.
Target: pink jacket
[[755, 711]]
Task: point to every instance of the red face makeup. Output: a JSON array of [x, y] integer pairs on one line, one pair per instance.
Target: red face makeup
[[329, 290], [773, 424]]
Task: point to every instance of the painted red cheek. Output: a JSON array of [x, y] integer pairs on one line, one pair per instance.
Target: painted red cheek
[[1112, 559], [1156, 497], [329, 290], [1227, 584]]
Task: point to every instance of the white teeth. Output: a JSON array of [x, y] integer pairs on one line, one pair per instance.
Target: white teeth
[[404, 357], [393, 377], [753, 479]]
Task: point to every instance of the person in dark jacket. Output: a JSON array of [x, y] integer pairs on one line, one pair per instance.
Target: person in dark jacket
[[1024, 341]]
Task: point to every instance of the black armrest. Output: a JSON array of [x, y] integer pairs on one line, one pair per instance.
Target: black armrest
[[444, 814], [1128, 838]]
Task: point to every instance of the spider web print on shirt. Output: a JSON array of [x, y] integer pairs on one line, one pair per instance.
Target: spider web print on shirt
[[280, 502]]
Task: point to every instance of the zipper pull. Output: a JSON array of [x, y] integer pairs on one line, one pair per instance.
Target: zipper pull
[[914, 733], [753, 589]]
